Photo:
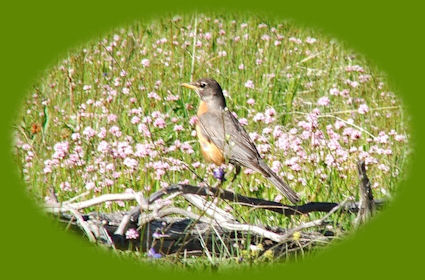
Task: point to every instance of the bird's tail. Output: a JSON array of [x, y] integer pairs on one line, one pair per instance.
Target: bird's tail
[[278, 182]]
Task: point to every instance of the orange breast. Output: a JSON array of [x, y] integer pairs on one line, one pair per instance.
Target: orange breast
[[209, 150], [203, 108]]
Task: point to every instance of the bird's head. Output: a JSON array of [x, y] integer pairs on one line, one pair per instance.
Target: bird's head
[[209, 91]]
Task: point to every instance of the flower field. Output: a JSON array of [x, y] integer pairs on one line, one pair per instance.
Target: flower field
[[112, 117]]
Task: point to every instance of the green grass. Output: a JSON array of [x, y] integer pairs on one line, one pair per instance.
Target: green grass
[[87, 86]]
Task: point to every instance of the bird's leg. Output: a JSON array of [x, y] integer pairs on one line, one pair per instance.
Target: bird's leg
[[237, 171]]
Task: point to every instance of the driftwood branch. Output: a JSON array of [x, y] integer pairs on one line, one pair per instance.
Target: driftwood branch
[[287, 210], [168, 229]]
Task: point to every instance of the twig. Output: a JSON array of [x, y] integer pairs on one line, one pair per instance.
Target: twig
[[184, 213], [367, 205], [84, 225], [125, 220], [136, 211], [259, 203], [252, 229], [96, 201], [209, 208], [317, 222]]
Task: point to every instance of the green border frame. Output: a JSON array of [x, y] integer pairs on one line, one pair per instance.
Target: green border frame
[[35, 34]]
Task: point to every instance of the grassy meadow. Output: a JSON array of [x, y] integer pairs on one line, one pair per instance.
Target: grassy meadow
[[111, 115]]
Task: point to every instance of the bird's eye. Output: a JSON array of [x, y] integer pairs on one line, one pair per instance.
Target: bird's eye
[[203, 85]]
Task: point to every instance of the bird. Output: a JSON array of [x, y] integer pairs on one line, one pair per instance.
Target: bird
[[222, 138]]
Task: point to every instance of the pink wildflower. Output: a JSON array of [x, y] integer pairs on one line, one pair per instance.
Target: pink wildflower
[[334, 91], [102, 133], [172, 97], [178, 127], [339, 124], [143, 128], [61, 150], [186, 148], [131, 163], [276, 166], [208, 36], [90, 185], [265, 37], [363, 109], [259, 117], [193, 120], [135, 120], [222, 53], [142, 150], [26, 147], [364, 78], [131, 233], [103, 147], [249, 84], [384, 168], [267, 130], [243, 121], [400, 138], [65, 186], [295, 40], [310, 40], [115, 130], [277, 132], [250, 101], [112, 118], [89, 132], [145, 62], [382, 138], [154, 95], [323, 101], [159, 122], [354, 68], [270, 112]]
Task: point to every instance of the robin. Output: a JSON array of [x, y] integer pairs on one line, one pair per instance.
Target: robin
[[222, 137]]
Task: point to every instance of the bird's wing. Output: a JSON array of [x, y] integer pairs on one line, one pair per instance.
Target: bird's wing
[[225, 131]]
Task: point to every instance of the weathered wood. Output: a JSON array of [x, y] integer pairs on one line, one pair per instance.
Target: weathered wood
[[367, 203], [171, 235], [284, 209], [170, 230]]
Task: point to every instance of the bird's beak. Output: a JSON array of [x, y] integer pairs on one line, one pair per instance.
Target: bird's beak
[[190, 86]]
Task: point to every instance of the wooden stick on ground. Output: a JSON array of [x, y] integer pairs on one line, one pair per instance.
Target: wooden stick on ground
[[180, 228], [367, 204]]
